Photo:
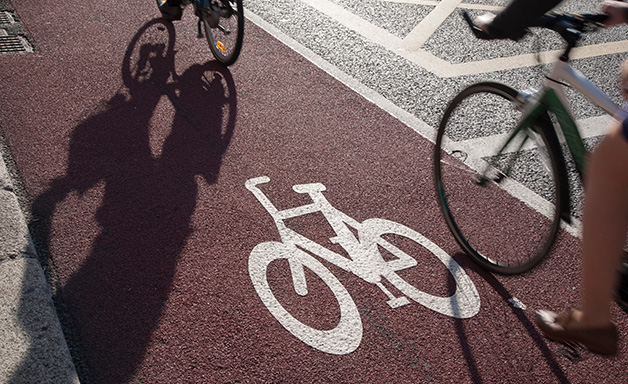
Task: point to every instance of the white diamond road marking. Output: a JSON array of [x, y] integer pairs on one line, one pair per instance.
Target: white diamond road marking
[[409, 48]]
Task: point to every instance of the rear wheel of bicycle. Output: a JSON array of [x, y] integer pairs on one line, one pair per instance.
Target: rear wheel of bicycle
[[224, 29], [503, 208], [344, 336]]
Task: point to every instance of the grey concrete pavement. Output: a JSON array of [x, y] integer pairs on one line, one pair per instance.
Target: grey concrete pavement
[[33, 348]]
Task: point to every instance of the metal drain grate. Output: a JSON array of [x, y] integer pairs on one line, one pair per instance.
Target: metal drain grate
[[12, 37], [11, 44], [5, 18]]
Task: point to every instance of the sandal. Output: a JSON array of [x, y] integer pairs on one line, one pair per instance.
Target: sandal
[[602, 341]]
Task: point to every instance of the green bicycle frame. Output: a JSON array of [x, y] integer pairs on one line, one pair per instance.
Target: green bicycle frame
[[552, 99]]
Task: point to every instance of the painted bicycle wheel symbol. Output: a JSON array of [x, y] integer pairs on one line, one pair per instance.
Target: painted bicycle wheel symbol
[[364, 260]]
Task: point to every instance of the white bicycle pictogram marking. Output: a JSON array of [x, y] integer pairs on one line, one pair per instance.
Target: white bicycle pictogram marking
[[365, 261]]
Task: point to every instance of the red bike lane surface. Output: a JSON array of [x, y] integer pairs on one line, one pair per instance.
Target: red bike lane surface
[[137, 183]]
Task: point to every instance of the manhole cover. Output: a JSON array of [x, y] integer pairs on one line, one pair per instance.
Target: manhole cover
[[11, 44]]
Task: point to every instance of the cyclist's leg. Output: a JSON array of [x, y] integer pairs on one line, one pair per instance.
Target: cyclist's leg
[[605, 221]]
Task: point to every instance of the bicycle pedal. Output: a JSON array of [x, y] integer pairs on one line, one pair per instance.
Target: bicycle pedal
[[398, 302]]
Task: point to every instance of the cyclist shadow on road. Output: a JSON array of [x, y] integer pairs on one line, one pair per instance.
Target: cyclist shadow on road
[[119, 284], [521, 318]]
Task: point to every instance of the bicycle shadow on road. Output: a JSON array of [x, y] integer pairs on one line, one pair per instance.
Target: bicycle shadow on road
[[520, 316], [115, 289]]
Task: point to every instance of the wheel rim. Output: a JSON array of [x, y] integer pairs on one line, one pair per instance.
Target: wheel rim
[[501, 233], [224, 33]]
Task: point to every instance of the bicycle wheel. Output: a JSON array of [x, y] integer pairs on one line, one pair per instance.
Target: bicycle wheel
[[502, 205], [342, 338], [224, 29], [400, 242]]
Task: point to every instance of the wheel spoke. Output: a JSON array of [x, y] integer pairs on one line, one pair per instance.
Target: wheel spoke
[[493, 194]]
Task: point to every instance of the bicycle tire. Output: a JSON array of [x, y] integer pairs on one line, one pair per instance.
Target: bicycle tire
[[503, 234], [219, 30], [345, 337]]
